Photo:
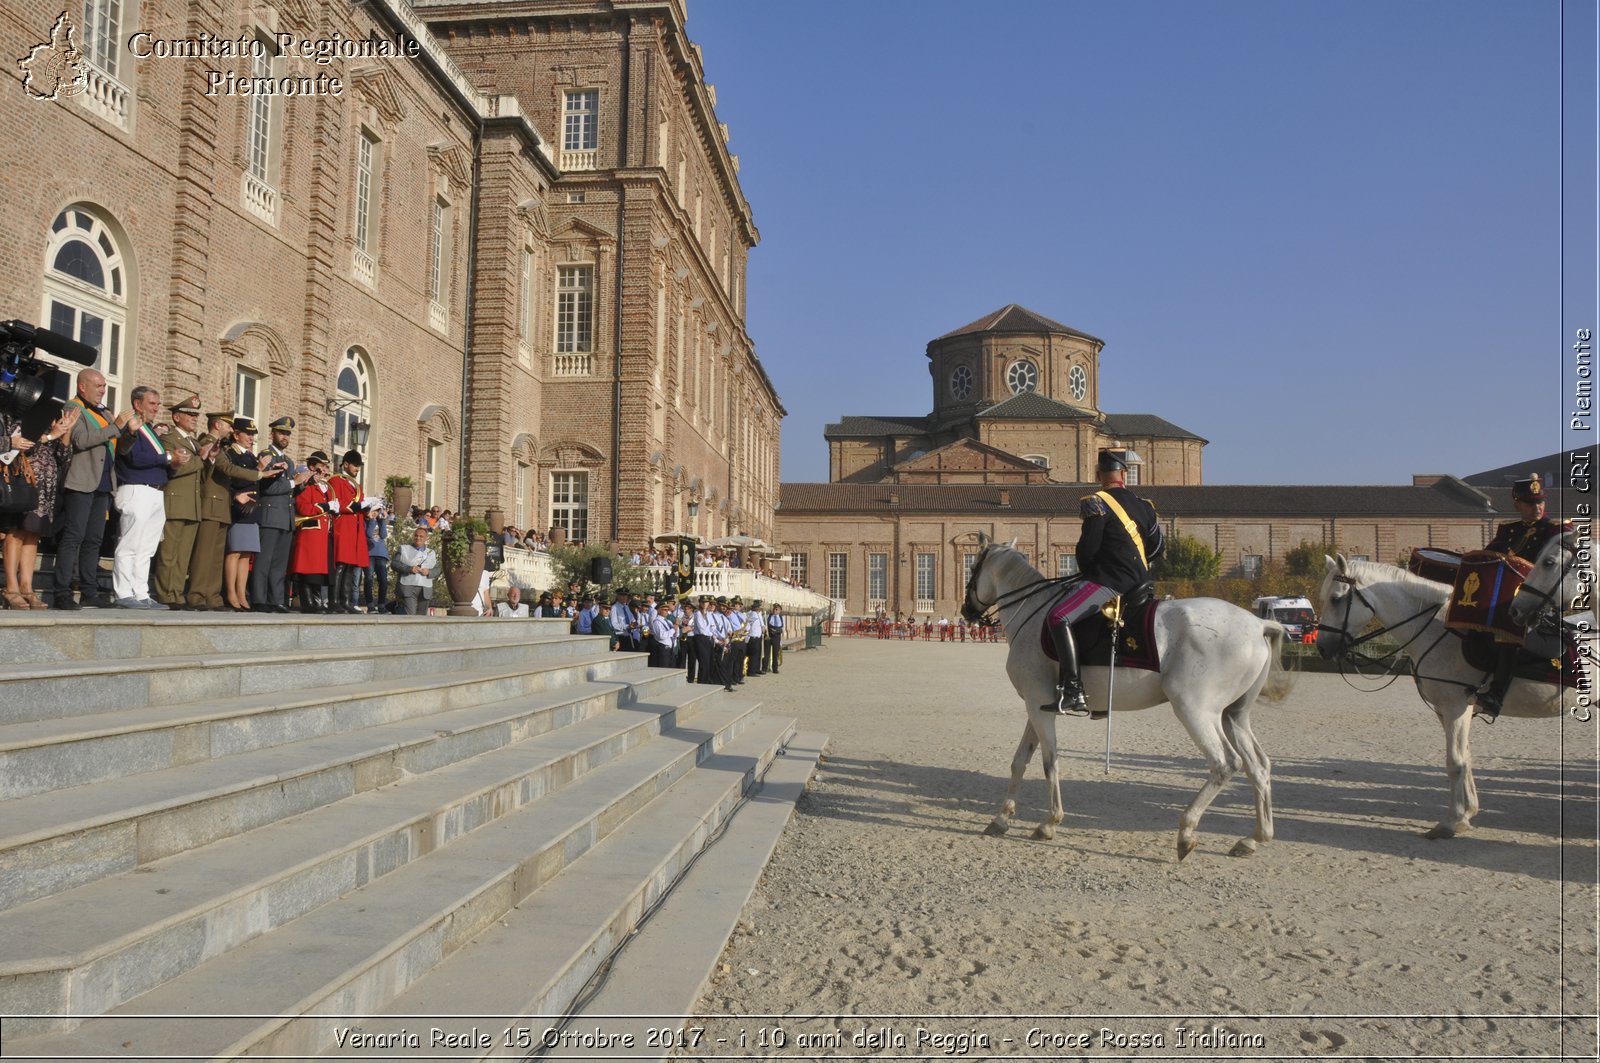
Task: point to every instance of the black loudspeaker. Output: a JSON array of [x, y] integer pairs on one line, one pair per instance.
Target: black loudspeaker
[[600, 570]]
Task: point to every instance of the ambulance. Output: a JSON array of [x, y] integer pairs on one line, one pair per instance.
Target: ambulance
[[1298, 618]]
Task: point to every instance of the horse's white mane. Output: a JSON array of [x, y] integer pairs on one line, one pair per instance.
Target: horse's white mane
[[1422, 590]]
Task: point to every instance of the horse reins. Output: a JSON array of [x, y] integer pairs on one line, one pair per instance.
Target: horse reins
[[1011, 597]]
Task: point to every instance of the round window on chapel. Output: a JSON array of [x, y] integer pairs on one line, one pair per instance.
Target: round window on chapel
[[961, 383], [1078, 382], [1022, 376]]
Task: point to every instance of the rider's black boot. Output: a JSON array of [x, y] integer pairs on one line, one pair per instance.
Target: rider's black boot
[[1069, 688], [1490, 699]]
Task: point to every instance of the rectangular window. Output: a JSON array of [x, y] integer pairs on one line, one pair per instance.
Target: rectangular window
[[521, 509], [102, 33], [580, 130], [838, 570], [430, 475], [436, 250], [575, 310], [1250, 565], [967, 563], [103, 336], [525, 296], [259, 138], [1133, 475], [877, 577], [1066, 565], [799, 566], [366, 191], [925, 577], [249, 394], [569, 504]]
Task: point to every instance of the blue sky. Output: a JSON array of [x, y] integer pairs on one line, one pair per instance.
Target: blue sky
[[1326, 237]]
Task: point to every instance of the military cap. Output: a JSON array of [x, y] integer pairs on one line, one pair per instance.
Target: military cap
[[188, 405], [722, 600], [623, 590], [225, 415], [1112, 461], [352, 457], [1529, 490], [282, 424], [737, 600], [244, 424], [588, 599]]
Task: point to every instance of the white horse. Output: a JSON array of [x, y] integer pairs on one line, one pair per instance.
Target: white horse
[[1215, 660], [1411, 611]]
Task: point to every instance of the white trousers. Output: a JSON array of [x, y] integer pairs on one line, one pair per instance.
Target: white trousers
[[142, 515]]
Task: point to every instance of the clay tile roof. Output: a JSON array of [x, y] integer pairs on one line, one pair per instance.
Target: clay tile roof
[[1133, 425], [1196, 502], [1014, 318], [1032, 406], [850, 427]]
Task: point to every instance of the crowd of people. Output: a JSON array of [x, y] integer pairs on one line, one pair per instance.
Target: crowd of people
[[211, 520]]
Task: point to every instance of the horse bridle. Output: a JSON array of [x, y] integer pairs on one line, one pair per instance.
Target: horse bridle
[[977, 613], [1548, 599], [1352, 641]]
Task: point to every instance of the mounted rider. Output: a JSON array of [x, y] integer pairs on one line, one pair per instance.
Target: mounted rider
[[1522, 538], [1121, 536]]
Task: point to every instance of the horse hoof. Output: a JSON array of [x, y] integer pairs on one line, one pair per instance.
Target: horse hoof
[[1244, 847], [1185, 847], [996, 829], [1043, 833], [1439, 831]]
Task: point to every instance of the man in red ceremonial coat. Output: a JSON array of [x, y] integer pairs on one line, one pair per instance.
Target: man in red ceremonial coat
[[313, 523], [350, 556]]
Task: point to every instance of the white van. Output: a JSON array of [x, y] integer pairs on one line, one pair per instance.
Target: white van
[[1297, 616]]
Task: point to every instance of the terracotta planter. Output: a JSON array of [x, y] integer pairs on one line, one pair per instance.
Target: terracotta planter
[[463, 582], [496, 519], [401, 502]]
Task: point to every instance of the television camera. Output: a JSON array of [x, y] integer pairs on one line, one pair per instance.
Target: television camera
[[26, 379]]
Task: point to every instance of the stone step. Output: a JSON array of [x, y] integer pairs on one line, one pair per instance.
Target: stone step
[[31, 692], [41, 755], [280, 994], [536, 959], [654, 983], [114, 634], [87, 950], [55, 841]]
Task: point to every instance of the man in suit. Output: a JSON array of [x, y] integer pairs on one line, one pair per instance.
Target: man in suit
[[275, 508], [181, 498], [85, 497]]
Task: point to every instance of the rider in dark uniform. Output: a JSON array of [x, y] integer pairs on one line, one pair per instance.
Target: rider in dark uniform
[[1121, 536], [1522, 538]]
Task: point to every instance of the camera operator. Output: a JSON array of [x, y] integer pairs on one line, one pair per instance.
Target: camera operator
[[86, 496]]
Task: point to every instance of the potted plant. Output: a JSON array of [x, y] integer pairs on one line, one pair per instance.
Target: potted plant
[[464, 550], [398, 490]]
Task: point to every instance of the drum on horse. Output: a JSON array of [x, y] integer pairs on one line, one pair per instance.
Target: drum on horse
[[1215, 660], [1410, 610]]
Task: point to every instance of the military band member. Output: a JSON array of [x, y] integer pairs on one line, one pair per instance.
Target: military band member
[[182, 499], [755, 633], [350, 555], [625, 622], [313, 525], [275, 517], [707, 630], [737, 634], [663, 638], [1523, 538]]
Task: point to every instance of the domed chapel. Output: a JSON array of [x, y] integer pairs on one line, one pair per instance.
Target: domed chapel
[[1016, 400]]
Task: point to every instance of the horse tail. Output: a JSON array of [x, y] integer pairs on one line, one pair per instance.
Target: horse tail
[[1280, 681]]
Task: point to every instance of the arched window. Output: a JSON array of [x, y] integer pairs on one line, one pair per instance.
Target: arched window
[[86, 294], [353, 405]]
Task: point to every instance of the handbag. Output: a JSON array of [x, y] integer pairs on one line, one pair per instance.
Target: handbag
[[19, 487]]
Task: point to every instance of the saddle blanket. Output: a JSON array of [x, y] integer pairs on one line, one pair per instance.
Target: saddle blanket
[[1478, 648], [1136, 647]]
